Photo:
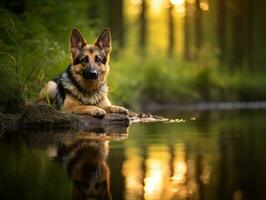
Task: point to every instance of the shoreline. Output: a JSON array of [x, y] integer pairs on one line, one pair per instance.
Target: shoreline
[[202, 106]]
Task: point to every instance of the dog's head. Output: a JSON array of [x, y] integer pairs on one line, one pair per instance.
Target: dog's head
[[90, 61]]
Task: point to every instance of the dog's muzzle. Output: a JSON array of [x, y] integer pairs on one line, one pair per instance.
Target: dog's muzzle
[[90, 74]]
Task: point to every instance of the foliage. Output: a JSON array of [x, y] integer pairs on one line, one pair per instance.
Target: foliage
[[136, 80], [24, 53]]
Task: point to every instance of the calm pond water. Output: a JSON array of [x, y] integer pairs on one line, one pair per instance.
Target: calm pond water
[[210, 155]]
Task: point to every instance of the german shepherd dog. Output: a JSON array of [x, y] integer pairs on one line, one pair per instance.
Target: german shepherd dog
[[82, 87]]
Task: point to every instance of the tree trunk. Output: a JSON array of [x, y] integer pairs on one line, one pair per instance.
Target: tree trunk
[[198, 25], [143, 26], [250, 33], [171, 39], [222, 30], [187, 55], [116, 20], [238, 35]]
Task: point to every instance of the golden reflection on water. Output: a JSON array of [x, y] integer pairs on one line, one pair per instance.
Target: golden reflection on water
[[180, 165], [133, 174], [157, 172], [166, 172]]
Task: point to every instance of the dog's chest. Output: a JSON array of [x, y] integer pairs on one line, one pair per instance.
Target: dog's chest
[[86, 98]]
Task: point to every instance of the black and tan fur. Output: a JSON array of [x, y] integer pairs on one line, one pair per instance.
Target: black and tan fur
[[82, 88]]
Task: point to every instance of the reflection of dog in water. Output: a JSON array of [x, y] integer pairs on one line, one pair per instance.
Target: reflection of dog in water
[[85, 161]]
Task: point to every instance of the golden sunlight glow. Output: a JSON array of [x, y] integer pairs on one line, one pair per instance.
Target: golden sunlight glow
[[180, 169], [133, 175], [157, 6], [157, 172], [180, 9], [179, 6], [168, 173], [136, 2], [204, 6], [132, 7], [177, 2], [190, 1], [154, 180], [182, 186]]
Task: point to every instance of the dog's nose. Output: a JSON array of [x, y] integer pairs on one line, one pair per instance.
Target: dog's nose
[[93, 74], [90, 73]]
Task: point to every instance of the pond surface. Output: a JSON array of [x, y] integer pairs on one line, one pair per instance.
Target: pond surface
[[209, 155]]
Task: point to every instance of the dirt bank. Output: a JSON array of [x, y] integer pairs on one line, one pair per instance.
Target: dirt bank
[[41, 117]]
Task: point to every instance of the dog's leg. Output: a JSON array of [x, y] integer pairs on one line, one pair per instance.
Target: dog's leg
[[116, 109], [87, 110], [109, 108], [71, 104]]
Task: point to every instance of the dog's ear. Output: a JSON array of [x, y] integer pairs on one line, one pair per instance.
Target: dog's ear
[[104, 40], [76, 42]]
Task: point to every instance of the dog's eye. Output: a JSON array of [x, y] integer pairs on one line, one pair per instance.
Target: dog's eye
[[98, 59], [84, 59]]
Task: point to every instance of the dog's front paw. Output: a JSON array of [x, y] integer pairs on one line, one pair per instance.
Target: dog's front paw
[[117, 109], [93, 111], [97, 112]]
